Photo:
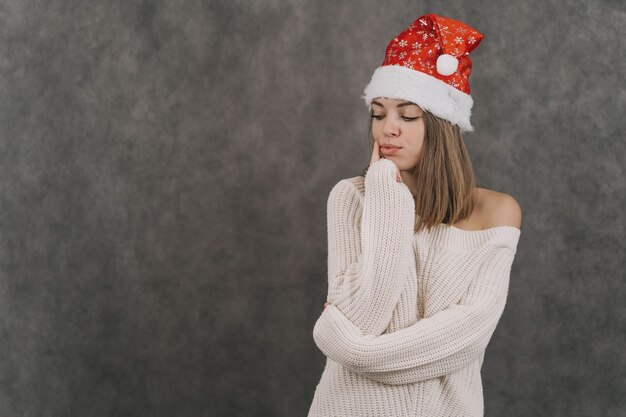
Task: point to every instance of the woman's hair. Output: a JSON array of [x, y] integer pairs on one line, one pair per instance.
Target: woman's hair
[[444, 174]]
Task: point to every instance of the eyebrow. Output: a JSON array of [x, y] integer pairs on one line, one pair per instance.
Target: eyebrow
[[404, 103]]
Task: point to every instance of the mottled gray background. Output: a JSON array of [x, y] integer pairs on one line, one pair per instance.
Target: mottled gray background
[[164, 173]]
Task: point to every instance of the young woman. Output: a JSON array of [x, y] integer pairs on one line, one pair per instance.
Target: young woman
[[419, 258]]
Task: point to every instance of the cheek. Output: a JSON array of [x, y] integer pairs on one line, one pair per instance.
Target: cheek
[[418, 132], [417, 141], [376, 131]]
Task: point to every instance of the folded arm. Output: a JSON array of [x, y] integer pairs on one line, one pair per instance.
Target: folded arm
[[441, 344]]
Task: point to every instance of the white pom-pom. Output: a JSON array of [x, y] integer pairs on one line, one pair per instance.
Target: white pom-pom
[[447, 64]]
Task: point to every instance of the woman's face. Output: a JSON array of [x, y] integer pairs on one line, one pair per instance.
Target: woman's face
[[398, 123]]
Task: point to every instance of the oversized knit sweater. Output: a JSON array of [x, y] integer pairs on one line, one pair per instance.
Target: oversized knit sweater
[[411, 314]]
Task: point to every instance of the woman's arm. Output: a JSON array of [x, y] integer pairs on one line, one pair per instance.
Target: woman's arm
[[368, 264], [439, 345]]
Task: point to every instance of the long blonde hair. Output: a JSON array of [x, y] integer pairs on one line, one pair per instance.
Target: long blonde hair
[[444, 174]]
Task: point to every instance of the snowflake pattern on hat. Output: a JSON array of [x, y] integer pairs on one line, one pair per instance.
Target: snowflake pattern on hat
[[432, 37]]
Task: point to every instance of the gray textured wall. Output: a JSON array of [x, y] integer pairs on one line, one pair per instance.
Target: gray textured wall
[[164, 173]]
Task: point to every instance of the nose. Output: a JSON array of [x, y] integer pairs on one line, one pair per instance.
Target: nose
[[391, 127]]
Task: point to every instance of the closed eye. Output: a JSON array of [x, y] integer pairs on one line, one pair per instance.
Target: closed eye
[[408, 119]]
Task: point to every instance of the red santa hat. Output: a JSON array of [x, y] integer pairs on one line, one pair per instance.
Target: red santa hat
[[429, 64]]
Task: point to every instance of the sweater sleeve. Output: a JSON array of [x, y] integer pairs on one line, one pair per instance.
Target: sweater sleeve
[[441, 344], [368, 259]]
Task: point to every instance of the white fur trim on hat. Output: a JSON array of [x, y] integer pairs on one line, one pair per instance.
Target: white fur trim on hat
[[428, 92]]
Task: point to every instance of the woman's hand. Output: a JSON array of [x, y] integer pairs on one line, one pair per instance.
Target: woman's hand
[[376, 157], [326, 304]]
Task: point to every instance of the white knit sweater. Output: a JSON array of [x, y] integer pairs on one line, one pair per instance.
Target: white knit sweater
[[411, 313]]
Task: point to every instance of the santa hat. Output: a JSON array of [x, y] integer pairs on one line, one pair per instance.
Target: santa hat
[[429, 64]]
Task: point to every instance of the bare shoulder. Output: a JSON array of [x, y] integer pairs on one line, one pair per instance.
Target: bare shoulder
[[499, 209]]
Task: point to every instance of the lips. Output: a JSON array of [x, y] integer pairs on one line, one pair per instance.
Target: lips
[[389, 150]]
